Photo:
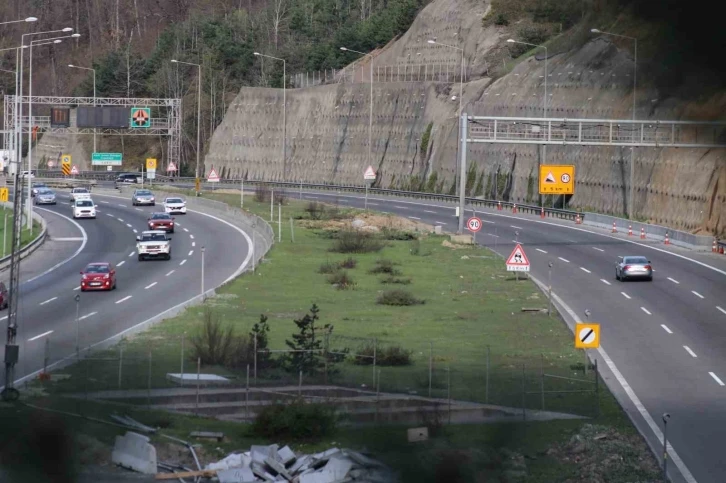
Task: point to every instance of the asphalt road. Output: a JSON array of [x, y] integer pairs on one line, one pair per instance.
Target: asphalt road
[[47, 310], [665, 340]]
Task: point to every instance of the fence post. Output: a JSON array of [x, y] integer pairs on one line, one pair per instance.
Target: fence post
[[148, 381], [46, 356], [378, 391], [199, 370], [431, 365], [448, 390], [542, 381], [486, 389], [292, 230], [247, 394], [181, 369], [375, 349], [120, 364], [255, 373], [524, 395], [299, 384], [279, 222], [325, 351], [597, 390], [272, 206]]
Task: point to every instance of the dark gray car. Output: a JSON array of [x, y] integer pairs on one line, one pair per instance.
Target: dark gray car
[[633, 267]]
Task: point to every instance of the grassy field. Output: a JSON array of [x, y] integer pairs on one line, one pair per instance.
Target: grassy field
[[6, 236]]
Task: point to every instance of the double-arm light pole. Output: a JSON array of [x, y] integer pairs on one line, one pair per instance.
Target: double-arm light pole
[[370, 112], [94, 97], [284, 111], [631, 201], [199, 116]]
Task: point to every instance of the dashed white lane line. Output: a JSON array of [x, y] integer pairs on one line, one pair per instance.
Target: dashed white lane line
[[132, 254], [429, 211], [87, 315], [605, 281], [564, 259], [674, 281], [77, 288], [715, 378], [121, 263], [585, 270], [666, 328], [688, 349], [135, 230], [129, 225], [414, 217], [598, 249], [170, 273], [150, 285], [124, 299], [645, 310], [106, 202], [492, 234], [625, 295], [109, 214], [722, 310], [121, 204], [517, 227], [138, 209], [191, 236], [401, 207], [120, 219], [186, 229], [373, 204], [194, 244], [49, 301], [183, 262], [697, 294], [190, 253], [439, 222], [40, 335], [515, 241], [540, 250]]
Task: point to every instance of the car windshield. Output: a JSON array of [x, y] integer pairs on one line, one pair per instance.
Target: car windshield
[[636, 260], [84, 203], [174, 200], [153, 237], [160, 216], [97, 269], [143, 193], [80, 190], [45, 191], [39, 185]]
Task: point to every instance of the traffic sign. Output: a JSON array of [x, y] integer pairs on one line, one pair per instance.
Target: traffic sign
[[213, 177], [140, 117], [518, 261], [74, 170], [66, 164], [106, 159], [150, 164], [370, 174], [587, 336], [109, 168], [51, 163], [4, 194], [171, 167], [473, 224], [555, 179]]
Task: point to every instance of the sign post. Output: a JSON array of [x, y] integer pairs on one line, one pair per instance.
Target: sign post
[[474, 224], [369, 177], [151, 168]]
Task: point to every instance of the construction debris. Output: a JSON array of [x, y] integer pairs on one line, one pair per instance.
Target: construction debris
[[207, 435], [133, 451]]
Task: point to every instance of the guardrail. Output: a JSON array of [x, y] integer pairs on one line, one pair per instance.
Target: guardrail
[[30, 247]]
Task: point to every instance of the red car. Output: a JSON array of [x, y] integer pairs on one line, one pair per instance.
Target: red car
[[98, 276], [161, 221]]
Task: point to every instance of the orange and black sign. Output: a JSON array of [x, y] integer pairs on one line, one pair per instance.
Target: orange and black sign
[[140, 117]]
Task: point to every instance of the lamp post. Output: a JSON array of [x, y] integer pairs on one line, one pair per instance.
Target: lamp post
[[199, 116], [284, 110], [370, 113], [631, 210], [14, 138], [666, 417], [29, 19], [94, 97], [202, 274], [544, 146], [462, 182]]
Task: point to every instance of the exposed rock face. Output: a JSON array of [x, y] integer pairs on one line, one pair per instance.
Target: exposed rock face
[[327, 126]]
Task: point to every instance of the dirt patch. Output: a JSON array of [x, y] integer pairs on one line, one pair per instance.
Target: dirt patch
[[455, 246], [369, 222], [176, 454], [91, 451]]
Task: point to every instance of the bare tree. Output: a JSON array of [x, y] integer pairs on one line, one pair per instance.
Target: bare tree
[[279, 16]]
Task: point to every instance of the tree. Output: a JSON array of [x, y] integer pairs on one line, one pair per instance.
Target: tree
[[259, 332], [307, 344]]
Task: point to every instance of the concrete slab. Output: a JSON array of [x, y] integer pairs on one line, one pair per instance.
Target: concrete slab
[[286, 455], [339, 466], [236, 475], [133, 451], [191, 379], [418, 434], [235, 460], [318, 477]]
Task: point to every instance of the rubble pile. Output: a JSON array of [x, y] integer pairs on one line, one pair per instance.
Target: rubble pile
[[272, 463]]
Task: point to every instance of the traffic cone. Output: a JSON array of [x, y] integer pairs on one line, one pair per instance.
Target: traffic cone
[[642, 233], [630, 230], [615, 230], [541, 214], [499, 205], [578, 219], [667, 240], [714, 247], [514, 208]]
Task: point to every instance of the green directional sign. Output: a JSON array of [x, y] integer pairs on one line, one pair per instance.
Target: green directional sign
[[106, 159], [140, 117]]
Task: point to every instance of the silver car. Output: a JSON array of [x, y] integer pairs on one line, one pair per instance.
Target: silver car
[[37, 187], [633, 267], [143, 197], [45, 196]]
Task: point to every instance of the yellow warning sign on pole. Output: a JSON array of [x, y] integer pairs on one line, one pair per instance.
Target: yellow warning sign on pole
[[587, 336], [66, 164], [4, 195], [555, 179], [150, 164]]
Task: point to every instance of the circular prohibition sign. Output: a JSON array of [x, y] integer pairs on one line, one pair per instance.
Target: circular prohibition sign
[[474, 224]]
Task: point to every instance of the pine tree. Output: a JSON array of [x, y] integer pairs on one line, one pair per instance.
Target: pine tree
[[259, 331], [309, 343]]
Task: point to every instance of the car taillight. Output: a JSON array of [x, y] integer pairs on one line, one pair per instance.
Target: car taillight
[[647, 267], [626, 267]]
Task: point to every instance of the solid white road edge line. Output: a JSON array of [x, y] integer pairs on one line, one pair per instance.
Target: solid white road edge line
[[645, 310], [87, 316], [75, 254], [150, 285], [715, 378], [605, 281], [688, 349], [666, 328], [697, 294], [48, 301], [124, 299], [40, 335], [625, 295]]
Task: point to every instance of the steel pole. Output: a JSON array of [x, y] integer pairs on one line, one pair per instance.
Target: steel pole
[[30, 138], [665, 451], [370, 119], [94, 110], [202, 274], [284, 119], [463, 121], [631, 208], [199, 123]]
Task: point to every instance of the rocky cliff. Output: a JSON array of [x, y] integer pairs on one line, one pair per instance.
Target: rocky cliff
[[414, 139]]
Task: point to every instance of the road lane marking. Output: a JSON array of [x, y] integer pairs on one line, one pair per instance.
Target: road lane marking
[[186, 230], [87, 315], [191, 236], [697, 294], [539, 250], [688, 349], [49, 301], [402, 207], [715, 378], [605, 281], [429, 211], [135, 230], [183, 262], [585, 270], [120, 219], [373, 204], [564, 259], [517, 227], [414, 218], [77, 288], [598, 249], [515, 241], [645, 310], [722, 310], [109, 214], [666, 328], [122, 205], [190, 253], [68, 238], [129, 225], [674, 281], [194, 244], [170, 273], [107, 202], [138, 209], [120, 263], [123, 299], [625, 295], [40, 335], [439, 222], [150, 285], [132, 254]]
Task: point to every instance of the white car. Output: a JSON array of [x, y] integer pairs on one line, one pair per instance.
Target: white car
[[153, 244], [28, 174], [84, 209], [80, 194], [175, 205]]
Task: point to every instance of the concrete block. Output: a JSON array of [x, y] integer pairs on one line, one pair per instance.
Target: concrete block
[[300, 464], [462, 239], [278, 467], [189, 379], [438, 229], [318, 477], [339, 466], [286, 455], [236, 475], [133, 451], [418, 434], [261, 453], [232, 461]]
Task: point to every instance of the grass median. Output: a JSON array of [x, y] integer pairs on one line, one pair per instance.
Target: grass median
[[6, 231]]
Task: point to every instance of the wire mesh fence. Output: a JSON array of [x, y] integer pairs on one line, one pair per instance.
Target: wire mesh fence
[[444, 72]]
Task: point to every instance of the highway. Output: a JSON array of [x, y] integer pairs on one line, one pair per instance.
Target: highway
[[663, 342], [50, 277]]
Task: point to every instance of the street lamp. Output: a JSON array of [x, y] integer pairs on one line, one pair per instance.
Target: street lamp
[[461, 176], [284, 110], [199, 116], [631, 204], [29, 19], [202, 274], [94, 97], [370, 115]]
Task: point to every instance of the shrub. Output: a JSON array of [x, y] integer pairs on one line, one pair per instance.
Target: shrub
[[280, 197], [396, 280], [214, 343], [298, 420], [397, 235], [315, 210], [501, 19], [415, 247], [350, 241], [398, 298], [385, 266], [242, 353], [341, 280], [328, 267], [349, 262], [262, 193], [393, 355]]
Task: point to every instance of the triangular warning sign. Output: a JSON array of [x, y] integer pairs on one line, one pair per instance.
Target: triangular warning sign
[[369, 174], [74, 170], [518, 257], [171, 167], [550, 178], [213, 176]]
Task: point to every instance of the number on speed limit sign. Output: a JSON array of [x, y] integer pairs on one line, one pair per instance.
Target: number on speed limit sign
[[565, 178], [474, 224]]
